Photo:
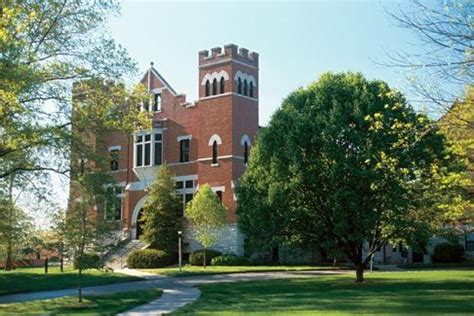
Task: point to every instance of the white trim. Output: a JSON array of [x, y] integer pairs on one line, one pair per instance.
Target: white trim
[[182, 163], [226, 61], [214, 75], [244, 139], [118, 147], [180, 138], [157, 90], [244, 76], [188, 177], [227, 94], [216, 138], [221, 157], [220, 188]]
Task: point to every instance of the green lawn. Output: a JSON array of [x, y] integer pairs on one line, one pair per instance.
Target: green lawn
[[92, 305], [396, 293], [34, 279], [189, 270]]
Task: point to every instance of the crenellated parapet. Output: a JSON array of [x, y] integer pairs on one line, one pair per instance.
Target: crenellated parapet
[[230, 51]]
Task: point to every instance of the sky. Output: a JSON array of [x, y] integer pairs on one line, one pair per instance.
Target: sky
[[296, 41]]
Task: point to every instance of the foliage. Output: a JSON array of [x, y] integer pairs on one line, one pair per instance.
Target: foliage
[[203, 257], [206, 215], [149, 258], [441, 65], [448, 252], [88, 261], [161, 220], [230, 260], [347, 162]]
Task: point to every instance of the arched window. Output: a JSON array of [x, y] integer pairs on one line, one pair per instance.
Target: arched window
[[208, 88], [239, 86], [214, 152], [222, 85], [214, 87], [251, 89], [246, 152], [245, 87]]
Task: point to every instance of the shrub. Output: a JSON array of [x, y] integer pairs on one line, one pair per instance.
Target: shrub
[[88, 261], [149, 258], [230, 260], [196, 258], [448, 252]]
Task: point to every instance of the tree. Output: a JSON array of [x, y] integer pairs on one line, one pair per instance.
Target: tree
[[443, 63], [85, 226], [161, 220], [348, 162], [206, 215]]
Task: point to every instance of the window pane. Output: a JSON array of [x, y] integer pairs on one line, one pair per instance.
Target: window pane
[[181, 213], [147, 138], [139, 152], [187, 198], [189, 184], [139, 139], [219, 195], [158, 153], [147, 154], [158, 137], [184, 150], [114, 159], [179, 185]]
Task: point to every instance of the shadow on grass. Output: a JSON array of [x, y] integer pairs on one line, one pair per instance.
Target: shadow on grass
[[383, 293]]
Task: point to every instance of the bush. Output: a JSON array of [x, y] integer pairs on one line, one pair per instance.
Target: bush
[[230, 260], [88, 261], [196, 258], [149, 258], [448, 252]]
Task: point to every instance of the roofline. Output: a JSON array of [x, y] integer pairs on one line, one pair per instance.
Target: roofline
[[163, 80]]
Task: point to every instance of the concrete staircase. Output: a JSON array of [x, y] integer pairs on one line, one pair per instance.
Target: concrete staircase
[[117, 259]]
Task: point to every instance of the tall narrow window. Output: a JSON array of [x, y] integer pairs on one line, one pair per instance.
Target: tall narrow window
[[147, 149], [184, 150], [208, 88], [114, 159], [246, 152], [139, 150], [157, 102], [214, 152], [214, 87], [113, 204], [146, 105], [222, 85], [219, 195], [158, 153], [251, 89], [239, 86], [245, 87]]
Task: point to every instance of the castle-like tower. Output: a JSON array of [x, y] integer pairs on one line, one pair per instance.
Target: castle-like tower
[[206, 141]]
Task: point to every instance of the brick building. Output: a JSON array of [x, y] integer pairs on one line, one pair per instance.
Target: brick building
[[206, 141]]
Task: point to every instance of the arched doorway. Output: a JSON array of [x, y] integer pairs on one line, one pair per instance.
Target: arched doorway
[[137, 213], [139, 224]]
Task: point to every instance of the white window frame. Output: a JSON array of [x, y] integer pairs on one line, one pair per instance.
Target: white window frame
[[152, 142]]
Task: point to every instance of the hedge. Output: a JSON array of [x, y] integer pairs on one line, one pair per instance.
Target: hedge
[[448, 252], [88, 261], [196, 258], [149, 258], [231, 260]]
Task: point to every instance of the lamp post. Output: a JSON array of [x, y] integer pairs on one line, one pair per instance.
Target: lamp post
[[179, 251]]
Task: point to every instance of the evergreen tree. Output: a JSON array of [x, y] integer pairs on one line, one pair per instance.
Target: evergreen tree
[[161, 213]]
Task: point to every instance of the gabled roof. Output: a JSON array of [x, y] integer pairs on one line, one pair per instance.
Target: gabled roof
[[160, 77]]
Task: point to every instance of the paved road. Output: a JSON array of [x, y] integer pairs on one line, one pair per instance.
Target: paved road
[[177, 292]]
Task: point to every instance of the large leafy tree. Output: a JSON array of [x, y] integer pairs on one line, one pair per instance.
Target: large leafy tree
[[207, 216], [348, 162], [161, 220]]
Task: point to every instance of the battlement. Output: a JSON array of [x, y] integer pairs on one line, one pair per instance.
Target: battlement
[[230, 51]]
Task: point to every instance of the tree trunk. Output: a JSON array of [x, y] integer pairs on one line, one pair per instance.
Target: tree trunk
[[204, 259], [359, 273], [9, 260], [79, 285], [61, 264], [46, 266]]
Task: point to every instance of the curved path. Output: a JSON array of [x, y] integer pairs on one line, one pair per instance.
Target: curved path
[[177, 292]]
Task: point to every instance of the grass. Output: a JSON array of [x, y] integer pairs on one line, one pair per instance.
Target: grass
[[92, 305], [33, 279], [190, 270], [395, 293], [438, 265]]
